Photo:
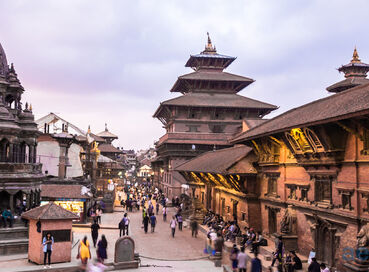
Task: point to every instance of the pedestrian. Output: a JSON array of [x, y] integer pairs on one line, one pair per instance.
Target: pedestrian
[[180, 221], [126, 224], [323, 268], [122, 227], [194, 227], [314, 266], [233, 257], [242, 260], [98, 214], [146, 223], [95, 231], [279, 251], [256, 264], [173, 224], [84, 252], [101, 249], [296, 262], [48, 242], [165, 213], [153, 222], [157, 207]]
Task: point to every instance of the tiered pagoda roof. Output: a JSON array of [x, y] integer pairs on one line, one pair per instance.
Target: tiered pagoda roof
[[209, 86], [355, 74]]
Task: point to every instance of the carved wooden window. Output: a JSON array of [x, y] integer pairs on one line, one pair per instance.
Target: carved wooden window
[[292, 194], [323, 190], [272, 186], [304, 194], [346, 201]]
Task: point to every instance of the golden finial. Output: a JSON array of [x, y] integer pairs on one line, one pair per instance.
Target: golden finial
[[355, 57], [30, 107], [209, 46], [88, 130]]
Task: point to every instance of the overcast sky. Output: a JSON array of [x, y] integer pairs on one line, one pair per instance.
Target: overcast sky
[[93, 62]]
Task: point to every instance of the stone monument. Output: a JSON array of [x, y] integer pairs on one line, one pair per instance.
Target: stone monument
[[289, 229], [124, 256], [358, 260]]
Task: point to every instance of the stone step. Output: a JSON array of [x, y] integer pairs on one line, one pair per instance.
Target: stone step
[[13, 233], [14, 246]]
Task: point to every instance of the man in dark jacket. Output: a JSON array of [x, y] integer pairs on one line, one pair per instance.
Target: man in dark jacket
[[314, 266]]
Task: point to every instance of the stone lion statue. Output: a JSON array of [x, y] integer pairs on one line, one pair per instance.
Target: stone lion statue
[[363, 236]]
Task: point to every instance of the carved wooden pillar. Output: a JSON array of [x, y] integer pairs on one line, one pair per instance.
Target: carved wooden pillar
[[11, 152]]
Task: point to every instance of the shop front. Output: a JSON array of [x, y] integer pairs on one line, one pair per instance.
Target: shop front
[[70, 197]]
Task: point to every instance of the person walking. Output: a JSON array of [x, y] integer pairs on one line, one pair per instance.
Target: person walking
[[47, 242], [146, 223], [165, 213], [233, 257], [84, 252], [98, 214], [256, 264], [101, 249], [126, 224], [242, 260], [157, 207], [95, 231], [153, 222], [173, 224], [324, 268], [180, 221], [194, 227]]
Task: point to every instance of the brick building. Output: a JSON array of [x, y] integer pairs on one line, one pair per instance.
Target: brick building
[[205, 117], [312, 166]]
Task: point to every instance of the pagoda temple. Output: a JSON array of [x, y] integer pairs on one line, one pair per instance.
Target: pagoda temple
[[207, 114], [355, 74]]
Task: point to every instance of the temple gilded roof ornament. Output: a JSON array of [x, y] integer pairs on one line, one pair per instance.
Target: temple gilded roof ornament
[[209, 48], [355, 57], [89, 130]]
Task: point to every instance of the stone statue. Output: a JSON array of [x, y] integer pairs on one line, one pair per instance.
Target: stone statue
[[288, 221], [363, 236]]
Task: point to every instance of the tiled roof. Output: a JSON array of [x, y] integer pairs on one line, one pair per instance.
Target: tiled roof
[[347, 83], [217, 100], [62, 191], [210, 75], [352, 102], [192, 61], [49, 211], [107, 134], [108, 148], [219, 161]]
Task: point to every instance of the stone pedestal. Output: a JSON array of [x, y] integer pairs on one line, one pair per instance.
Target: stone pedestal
[[124, 256], [289, 242], [355, 267]]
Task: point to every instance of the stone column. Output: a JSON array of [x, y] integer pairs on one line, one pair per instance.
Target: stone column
[[11, 202], [11, 152]]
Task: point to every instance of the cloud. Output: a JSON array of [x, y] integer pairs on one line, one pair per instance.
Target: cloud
[[115, 61]]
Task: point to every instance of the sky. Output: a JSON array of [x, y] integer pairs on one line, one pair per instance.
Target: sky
[[96, 62]]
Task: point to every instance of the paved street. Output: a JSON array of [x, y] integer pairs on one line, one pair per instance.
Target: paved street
[[167, 253]]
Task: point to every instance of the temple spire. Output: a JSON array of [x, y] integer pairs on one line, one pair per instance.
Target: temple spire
[[355, 57], [209, 48], [106, 127], [89, 129]]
